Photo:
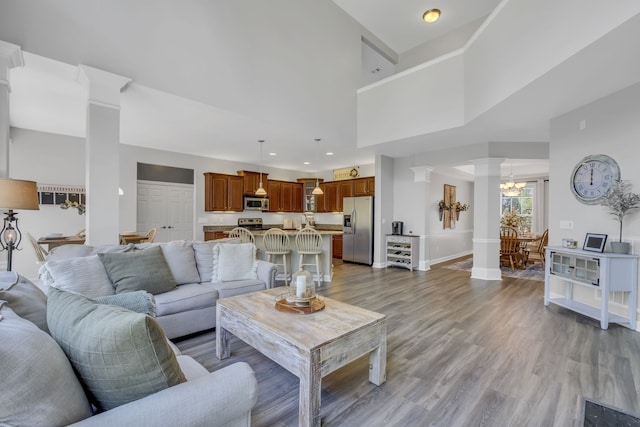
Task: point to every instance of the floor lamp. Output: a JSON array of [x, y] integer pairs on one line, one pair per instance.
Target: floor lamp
[[15, 194]]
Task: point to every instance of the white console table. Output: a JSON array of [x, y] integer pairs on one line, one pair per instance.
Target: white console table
[[606, 271]]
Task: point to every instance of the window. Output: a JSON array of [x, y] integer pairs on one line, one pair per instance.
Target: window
[[521, 205]]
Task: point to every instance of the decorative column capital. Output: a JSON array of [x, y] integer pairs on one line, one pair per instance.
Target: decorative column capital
[[10, 57], [422, 173], [12, 53], [103, 87]]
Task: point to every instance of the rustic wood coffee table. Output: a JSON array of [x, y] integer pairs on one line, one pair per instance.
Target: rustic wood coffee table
[[310, 346]]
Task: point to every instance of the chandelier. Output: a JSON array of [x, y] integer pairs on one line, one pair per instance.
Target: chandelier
[[512, 188]]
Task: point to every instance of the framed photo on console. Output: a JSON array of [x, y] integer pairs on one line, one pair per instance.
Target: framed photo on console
[[594, 242]]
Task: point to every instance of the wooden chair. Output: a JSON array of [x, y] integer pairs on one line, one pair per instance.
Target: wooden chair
[[536, 251], [509, 246], [276, 243], [309, 242], [151, 235], [243, 234], [41, 253]]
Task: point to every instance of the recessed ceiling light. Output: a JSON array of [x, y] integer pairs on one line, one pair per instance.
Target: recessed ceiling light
[[329, 153], [273, 154], [306, 163], [431, 15]]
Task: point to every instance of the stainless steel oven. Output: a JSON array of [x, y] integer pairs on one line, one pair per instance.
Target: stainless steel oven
[[256, 204]]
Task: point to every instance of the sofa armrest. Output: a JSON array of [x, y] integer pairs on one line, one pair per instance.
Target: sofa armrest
[[221, 398], [267, 273]]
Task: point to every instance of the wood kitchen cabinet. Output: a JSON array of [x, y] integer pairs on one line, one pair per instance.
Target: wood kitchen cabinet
[[251, 181], [331, 197], [335, 191], [284, 196], [336, 246], [223, 192], [215, 235], [364, 186]]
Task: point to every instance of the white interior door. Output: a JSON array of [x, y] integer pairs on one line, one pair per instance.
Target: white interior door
[[167, 207]]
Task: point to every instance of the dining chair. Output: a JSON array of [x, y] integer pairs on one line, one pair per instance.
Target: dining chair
[[536, 251], [151, 235], [509, 246], [243, 234], [309, 242], [276, 243], [41, 253]]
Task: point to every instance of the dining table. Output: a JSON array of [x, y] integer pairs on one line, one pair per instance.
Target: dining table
[[53, 242], [132, 238]]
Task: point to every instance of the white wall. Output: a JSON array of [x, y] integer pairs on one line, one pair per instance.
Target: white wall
[[612, 128], [415, 202], [446, 243]]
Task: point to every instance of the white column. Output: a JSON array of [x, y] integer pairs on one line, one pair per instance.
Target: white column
[[102, 153], [423, 174], [486, 219], [383, 208], [10, 57]]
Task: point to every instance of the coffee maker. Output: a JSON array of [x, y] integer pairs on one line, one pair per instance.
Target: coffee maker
[[396, 227]]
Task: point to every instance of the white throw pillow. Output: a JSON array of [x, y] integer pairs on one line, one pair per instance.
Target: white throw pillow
[[203, 252], [234, 262], [85, 276]]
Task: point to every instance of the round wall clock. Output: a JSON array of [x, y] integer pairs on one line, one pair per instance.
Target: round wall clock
[[593, 177]]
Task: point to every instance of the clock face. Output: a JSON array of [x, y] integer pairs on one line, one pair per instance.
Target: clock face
[[593, 177]]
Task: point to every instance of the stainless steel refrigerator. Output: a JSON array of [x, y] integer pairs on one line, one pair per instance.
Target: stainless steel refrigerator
[[357, 226]]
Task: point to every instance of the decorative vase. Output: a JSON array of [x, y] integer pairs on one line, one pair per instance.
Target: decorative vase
[[457, 215], [441, 210], [620, 247]]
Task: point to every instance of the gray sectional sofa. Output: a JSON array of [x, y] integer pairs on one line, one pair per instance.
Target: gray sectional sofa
[[48, 342], [203, 272]]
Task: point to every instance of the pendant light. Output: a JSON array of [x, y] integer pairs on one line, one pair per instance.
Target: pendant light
[[261, 191], [512, 188], [317, 191]]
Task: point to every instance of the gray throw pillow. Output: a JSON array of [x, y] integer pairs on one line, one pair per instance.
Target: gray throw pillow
[[138, 301], [145, 270], [27, 301], [119, 355], [181, 260], [38, 386]]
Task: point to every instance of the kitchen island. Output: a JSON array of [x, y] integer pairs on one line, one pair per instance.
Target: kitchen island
[[326, 259]]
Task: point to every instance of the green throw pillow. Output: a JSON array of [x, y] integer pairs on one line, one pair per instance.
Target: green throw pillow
[[28, 301], [119, 355], [38, 385], [145, 270], [138, 301]]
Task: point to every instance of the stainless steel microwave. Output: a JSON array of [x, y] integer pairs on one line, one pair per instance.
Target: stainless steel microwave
[[256, 204]]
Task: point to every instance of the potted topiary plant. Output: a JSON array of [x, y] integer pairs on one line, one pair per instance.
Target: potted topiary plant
[[619, 203]]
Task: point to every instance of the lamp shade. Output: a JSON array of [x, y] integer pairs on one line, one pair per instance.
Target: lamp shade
[[18, 194]]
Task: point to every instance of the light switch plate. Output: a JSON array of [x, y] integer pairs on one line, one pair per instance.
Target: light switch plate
[[567, 225]]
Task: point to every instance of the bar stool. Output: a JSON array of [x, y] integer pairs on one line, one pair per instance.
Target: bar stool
[[276, 242], [309, 242], [243, 234]]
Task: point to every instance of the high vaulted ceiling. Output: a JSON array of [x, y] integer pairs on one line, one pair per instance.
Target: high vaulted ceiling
[[211, 78]]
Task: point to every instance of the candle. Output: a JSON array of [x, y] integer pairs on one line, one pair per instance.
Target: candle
[[301, 286]]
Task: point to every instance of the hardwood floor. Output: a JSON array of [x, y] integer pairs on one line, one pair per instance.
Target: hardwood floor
[[461, 352]]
